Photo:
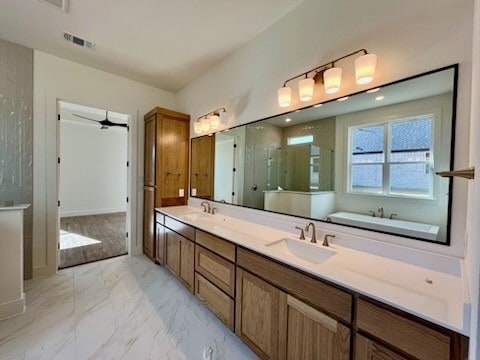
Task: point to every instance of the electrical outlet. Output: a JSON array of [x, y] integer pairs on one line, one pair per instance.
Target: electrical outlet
[[181, 192], [194, 192]]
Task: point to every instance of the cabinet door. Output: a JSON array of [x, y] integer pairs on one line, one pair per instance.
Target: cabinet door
[[306, 333], [160, 244], [172, 165], [367, 349], [187, 259], [172, 251], [256, 317], [150, 143], [149, 222]]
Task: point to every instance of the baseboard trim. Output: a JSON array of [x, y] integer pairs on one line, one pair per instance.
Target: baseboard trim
[[13, 308], [92, 212]]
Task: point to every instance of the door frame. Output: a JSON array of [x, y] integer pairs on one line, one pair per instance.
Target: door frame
[[53, 219]]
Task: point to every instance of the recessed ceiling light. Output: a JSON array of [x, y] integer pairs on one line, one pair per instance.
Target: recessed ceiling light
[[381, 97], [318, 105], [288, 120], [343, 98], [372, 90]]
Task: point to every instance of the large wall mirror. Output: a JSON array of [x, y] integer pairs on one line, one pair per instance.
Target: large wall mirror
[[367, 160]]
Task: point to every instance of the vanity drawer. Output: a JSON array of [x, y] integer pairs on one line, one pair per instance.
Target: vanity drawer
[[180, 228], [214, 299], [407, 335], [216, 244], [216, 269], [335, 302]]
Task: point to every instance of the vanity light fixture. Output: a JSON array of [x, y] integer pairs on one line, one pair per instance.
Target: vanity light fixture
[[343, 98], [210, 121], [288, 120], [378, 98], [317, 106], [330, 76], [372, 90]]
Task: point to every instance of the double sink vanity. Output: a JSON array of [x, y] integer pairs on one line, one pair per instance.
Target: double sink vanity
[[288, 298]]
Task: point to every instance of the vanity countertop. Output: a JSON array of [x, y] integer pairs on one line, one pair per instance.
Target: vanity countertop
[[439, 297]]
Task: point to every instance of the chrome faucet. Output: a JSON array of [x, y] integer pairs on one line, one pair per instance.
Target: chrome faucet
[[206, 207], [325, 239], [380, 210], [314, 232]]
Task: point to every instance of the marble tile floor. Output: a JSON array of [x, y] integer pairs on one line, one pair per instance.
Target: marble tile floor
[[120, 308]]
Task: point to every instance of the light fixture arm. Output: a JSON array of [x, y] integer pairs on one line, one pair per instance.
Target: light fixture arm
[[325, 66], [214, 112]]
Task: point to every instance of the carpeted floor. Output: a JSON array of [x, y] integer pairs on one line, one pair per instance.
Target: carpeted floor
[[90, 238]]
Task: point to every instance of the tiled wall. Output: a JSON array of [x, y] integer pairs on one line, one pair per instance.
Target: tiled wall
[[16, 134]]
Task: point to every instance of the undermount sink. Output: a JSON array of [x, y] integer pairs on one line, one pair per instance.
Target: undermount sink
[[302, 249], [196, 216]]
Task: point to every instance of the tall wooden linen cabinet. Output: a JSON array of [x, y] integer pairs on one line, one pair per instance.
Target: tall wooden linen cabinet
[[167, 136]]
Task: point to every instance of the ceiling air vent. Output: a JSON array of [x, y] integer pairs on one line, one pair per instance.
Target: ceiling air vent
[[57, 4], [78, 41]]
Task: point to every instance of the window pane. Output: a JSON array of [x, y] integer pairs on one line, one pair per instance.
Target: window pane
[[410, 179], [367, 178], [297, 140], [410, 156], [413, 135], [367, 144]]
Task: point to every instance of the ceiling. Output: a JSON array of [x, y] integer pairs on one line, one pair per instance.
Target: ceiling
[[166, 44]]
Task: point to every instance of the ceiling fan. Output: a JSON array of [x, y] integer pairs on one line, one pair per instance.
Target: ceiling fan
[[105, 123]]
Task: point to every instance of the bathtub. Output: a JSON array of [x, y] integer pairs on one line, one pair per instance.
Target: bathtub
[[401, 227]]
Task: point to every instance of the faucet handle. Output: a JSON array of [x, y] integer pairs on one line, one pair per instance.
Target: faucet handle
[[325, 239], [302, 233], [392, 216], [214, 210], [371, 212]]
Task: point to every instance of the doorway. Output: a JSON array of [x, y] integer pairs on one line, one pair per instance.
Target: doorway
[[92, 184]]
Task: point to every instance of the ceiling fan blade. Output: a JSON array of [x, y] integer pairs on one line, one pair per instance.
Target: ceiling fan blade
[[86, 118]]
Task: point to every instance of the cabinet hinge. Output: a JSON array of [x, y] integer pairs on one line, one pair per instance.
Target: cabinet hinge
[[58, 203], [58, 117], [233, 194], [58, 246], [58, 160], [234, 169], [128, 163], [127, 199], [126, 234], [234, 145]]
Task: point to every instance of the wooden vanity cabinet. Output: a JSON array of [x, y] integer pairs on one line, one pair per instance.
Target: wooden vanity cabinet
[[257, 315], [366, 349], [165, 168], [180, 257]]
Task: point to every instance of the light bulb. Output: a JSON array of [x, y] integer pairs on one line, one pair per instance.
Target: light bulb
[[205, 124], [214, 121], [332, 78], [284, 96], [305, 89], [197, 127], [365, 68]]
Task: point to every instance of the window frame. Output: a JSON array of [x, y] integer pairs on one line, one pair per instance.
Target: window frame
[[386, 164]]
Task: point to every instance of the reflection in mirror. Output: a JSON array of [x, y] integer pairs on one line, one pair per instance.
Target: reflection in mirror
[[202, 165], [368, 161]]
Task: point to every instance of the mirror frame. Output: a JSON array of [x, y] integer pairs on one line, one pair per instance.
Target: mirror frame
[[453, 67]]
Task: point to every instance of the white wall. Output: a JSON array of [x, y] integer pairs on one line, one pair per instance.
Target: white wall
[[56, 78], [409, 37], [93, 169], [472, 258]]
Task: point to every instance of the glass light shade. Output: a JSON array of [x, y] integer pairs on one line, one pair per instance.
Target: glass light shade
[[197, 127], [305, 89], [284, 96], [205, 124], [224, 117], [332, 78], [365, 68], [214, 121]]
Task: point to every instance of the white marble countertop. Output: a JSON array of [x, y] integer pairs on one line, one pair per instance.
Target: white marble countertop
[[442, 300], [14, 207]]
